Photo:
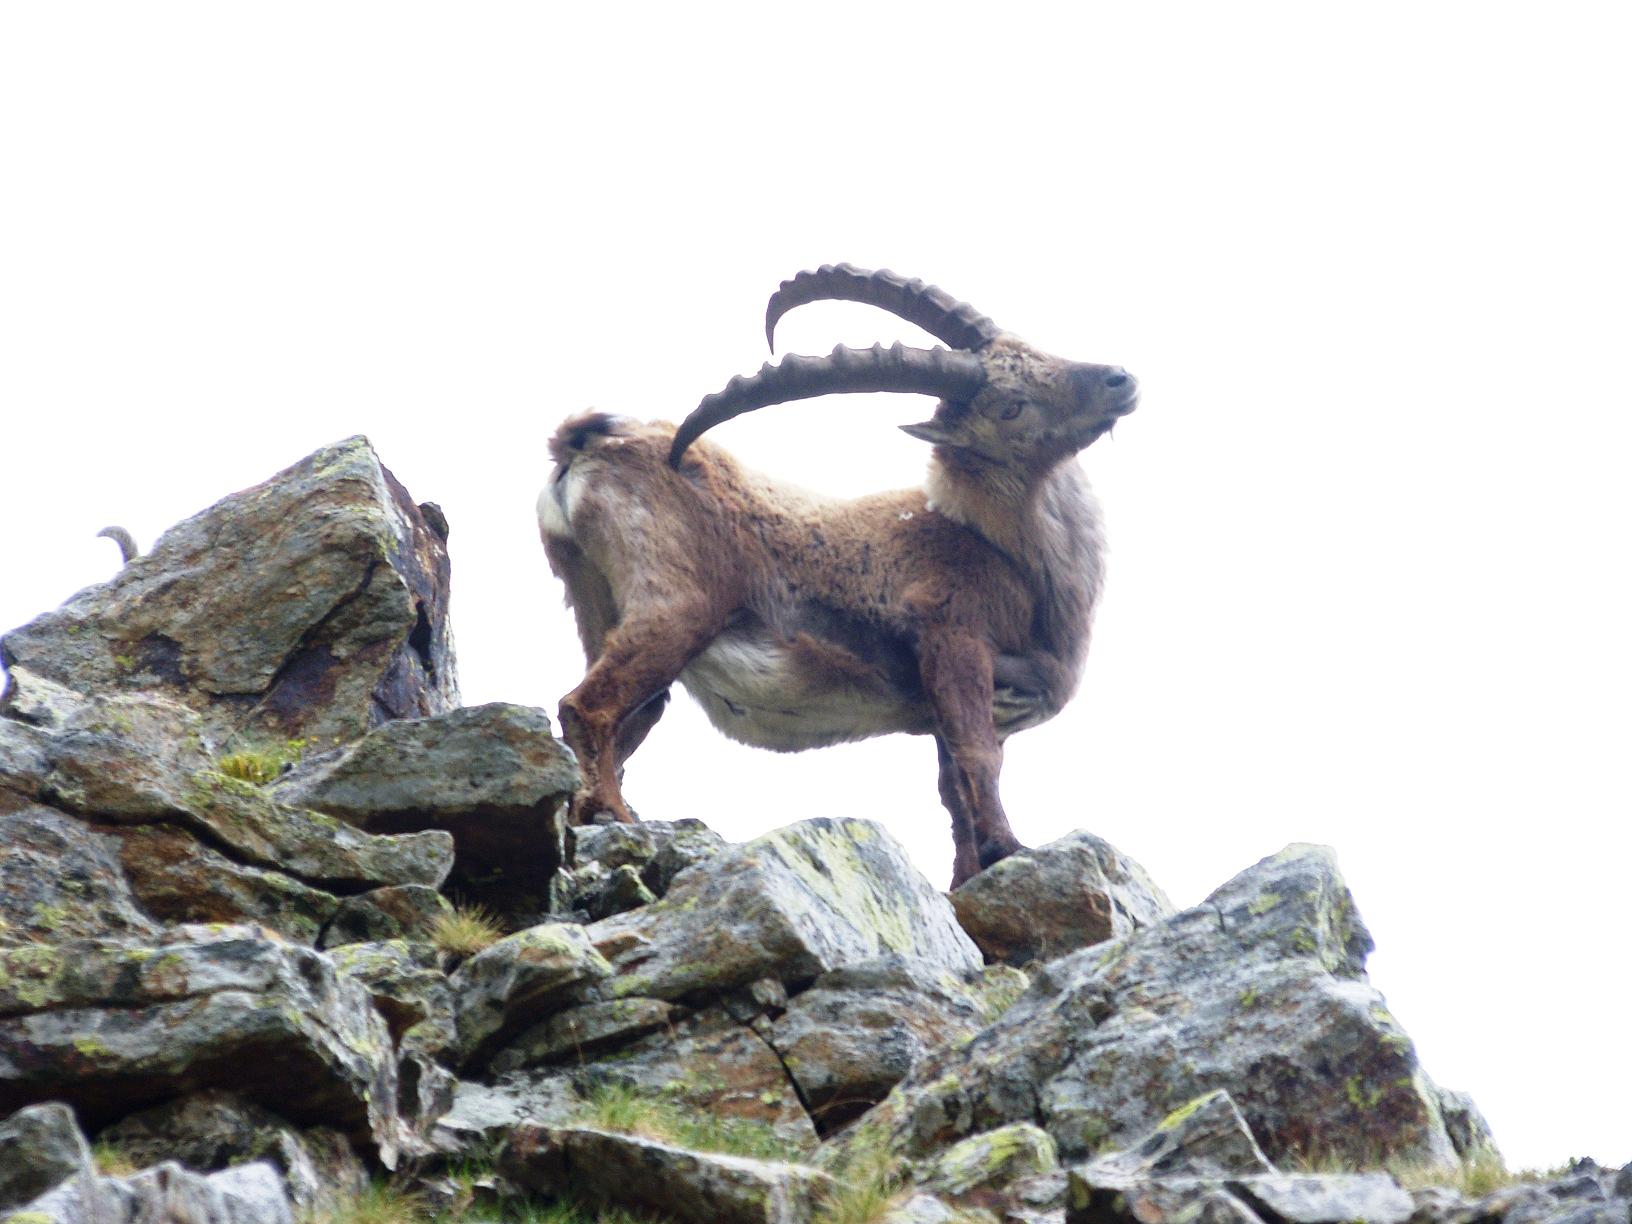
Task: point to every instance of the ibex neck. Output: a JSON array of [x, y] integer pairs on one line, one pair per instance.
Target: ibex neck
[[1050, 528]]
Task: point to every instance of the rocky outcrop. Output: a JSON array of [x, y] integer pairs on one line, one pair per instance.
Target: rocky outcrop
[[1259, 991], [311, 607], [111, 1026], [238, 805]]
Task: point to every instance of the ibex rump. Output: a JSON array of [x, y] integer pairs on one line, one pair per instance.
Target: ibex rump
[[960, 610]]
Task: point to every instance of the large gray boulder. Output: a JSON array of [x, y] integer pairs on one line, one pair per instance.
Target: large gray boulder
[[312, 606], [1040, 904], [789, 906], [112, 1026], [492, 776], [1259, 991]]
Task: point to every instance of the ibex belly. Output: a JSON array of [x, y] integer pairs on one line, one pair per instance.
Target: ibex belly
[[788, 695]]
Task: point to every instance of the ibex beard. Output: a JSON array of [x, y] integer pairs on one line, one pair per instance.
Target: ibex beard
[[961, 610]]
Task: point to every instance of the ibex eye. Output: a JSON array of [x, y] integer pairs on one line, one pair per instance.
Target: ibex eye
[[1013, 410]]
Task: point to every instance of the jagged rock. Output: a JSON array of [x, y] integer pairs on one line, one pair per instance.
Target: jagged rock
[[313, 606], [584, 1032], [630, 1171], [491, 775], [109, 1026], [178, 879], [1207, 1137], [621, 891], [1040, 904], [658, 849], [790, 905], [40, 1148], [246, 1194], [61, 879], [708, 1063], [214, 1130], [1258, 991], [408, 987], [859, 1030], [400, 911], [1623, 1183], [971, 1173], [1470, 1133], [522, 979]]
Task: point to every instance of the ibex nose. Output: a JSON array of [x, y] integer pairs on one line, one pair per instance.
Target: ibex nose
[[1116, 376]]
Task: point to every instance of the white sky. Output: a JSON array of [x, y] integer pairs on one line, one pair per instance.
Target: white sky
[[1371, 264]]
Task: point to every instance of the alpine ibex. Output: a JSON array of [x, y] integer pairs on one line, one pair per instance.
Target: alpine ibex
[[960, 610]]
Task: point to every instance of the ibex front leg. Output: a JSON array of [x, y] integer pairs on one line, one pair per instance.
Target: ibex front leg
[[608, 714], [957, 676]]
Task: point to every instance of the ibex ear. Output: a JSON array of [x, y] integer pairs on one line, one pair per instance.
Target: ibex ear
[[932, 432]]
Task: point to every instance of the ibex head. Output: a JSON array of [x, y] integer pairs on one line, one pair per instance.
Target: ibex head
[[1003, 404]]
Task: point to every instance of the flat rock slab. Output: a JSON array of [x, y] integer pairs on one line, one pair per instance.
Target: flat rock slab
[[644, 1174], [1072, 893], [790, 905], [110, 1027], [1259, 991], [313, 606]]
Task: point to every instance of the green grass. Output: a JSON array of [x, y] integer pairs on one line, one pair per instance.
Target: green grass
[[381, 1203], [466, 931], [111, 1160], [263, 764], [870, 1181], [618, 1107]]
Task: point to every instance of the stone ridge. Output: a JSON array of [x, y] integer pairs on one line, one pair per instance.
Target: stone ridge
[[276, 912]]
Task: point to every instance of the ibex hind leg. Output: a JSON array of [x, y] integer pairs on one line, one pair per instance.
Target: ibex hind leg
[[620, 699]]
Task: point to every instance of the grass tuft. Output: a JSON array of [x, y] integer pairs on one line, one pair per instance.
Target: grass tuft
[[619, 1107], [466, 931], [111, 1160], [261, 765], [871, 1181], [381, 1203]]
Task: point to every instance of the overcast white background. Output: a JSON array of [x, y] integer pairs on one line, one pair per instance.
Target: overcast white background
[[1368, 583]]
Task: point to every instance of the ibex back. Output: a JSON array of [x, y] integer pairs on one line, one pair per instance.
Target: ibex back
[[960, 610]]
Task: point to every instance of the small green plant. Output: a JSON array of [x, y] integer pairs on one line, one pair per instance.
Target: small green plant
[[466, 931], [619, 1107], [381, 1203], [111, 1160], [263, 764], [869, 1181]]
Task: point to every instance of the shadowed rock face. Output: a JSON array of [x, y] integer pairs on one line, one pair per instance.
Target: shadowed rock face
[[312, 607]]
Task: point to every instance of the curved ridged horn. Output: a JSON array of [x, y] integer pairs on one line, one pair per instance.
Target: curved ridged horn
[[935, 310], [952, 376]]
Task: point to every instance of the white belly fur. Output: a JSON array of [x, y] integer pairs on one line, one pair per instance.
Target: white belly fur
[[755, 691]]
